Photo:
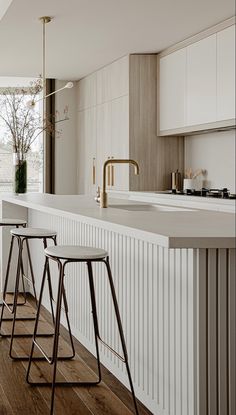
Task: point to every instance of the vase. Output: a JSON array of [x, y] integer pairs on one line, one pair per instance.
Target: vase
[[19, 173]]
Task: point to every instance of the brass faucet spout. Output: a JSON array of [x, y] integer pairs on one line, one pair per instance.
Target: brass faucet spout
[[103, 200]]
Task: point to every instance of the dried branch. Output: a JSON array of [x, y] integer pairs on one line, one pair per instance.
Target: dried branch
[[24, 124]]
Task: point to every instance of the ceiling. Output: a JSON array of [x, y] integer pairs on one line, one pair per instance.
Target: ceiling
[[88, 34]]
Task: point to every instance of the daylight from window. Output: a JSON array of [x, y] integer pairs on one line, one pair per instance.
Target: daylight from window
[[34, 156]]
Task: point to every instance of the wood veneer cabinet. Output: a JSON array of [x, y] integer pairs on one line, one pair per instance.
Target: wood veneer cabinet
[[117, 118]]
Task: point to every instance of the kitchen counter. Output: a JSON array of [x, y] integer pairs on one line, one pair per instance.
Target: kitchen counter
[[179, 228], [195, 202], [174, 273]]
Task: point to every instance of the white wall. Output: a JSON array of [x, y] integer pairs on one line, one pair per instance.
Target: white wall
[[66, 142], [214, 152]]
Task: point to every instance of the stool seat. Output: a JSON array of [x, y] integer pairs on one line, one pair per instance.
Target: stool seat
[[75, 252], [33, 233], [12, 222]]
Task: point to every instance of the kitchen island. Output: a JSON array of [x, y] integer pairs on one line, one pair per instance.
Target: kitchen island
[[174, 272]]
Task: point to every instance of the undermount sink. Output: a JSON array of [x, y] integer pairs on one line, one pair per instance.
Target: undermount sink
[[150, 208]]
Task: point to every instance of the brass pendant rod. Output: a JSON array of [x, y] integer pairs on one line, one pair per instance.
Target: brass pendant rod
[[44, 20]]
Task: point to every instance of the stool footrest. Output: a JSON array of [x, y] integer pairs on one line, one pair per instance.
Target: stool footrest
[[50, 360], [27, 279], [19, 319], [10, 304], [11, 310], [29, 335], [95, 383], [112, 350], [40, 358]]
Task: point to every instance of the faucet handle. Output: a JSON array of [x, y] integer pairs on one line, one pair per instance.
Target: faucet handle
[[98, 195]]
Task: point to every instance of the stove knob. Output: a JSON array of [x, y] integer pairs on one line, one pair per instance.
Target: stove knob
[[225, 193], [204, 192]]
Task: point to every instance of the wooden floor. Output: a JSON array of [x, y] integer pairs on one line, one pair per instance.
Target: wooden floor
[[17, 397]]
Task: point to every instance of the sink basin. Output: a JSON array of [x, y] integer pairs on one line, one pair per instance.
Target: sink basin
[[150, 208]]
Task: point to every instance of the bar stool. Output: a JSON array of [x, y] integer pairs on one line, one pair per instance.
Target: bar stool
[[22, 236], [7, 222], [64, 255]]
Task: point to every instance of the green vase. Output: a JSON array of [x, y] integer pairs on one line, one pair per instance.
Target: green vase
[[20, 173]]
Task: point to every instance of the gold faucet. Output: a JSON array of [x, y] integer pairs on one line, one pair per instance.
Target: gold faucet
[[103, 195]]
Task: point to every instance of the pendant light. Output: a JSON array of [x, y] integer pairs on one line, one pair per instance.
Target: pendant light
[[45, 20]]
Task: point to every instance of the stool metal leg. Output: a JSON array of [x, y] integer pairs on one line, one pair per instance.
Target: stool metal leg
[[15, 299], [54, 359], [35, 335], [6, 281], [64, 301], [22, 335], [50, 281], [31, 270], [36, 321], [14, 304], [16, 293], [121, 333], [57, 332], [68, 321], [95, 317]]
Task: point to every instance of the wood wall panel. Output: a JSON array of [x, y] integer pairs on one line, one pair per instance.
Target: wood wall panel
[[157, 156], [232, 331], [216, 332]]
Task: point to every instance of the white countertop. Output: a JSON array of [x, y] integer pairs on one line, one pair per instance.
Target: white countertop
[[198, 202], [174, 229]]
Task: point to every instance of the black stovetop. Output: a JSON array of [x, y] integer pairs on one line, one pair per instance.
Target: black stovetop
[[213, 193]]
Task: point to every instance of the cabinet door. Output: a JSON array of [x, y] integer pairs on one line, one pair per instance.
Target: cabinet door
[[87, 151], [120, 142], [119, 77], [201, 81], [104, 85], [81, 152], [103, 138], [87, 92], [226, 73], [172, 90], [90, 151]]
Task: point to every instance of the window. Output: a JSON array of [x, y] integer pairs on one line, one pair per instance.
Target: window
[[34, 156]]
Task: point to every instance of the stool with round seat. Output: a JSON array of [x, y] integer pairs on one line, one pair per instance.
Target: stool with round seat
[[9, 222], [64, 255], [22, 236], [12, 222]]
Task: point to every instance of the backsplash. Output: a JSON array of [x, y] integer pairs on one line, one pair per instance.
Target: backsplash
[[214, 152]]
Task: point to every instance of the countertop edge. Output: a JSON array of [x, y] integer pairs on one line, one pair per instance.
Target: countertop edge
[[158, 239]]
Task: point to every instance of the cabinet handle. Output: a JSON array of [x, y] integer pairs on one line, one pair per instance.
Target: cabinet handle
[[94, 172], [109, 174]]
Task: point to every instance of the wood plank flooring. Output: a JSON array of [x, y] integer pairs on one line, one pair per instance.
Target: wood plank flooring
[[17, 397]]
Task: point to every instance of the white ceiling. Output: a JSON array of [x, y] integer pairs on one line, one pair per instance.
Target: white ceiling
[[87, 34]]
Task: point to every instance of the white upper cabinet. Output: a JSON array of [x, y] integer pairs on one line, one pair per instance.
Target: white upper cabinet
[[226, 73], [172, 90], [197, 85], [201, 81]]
